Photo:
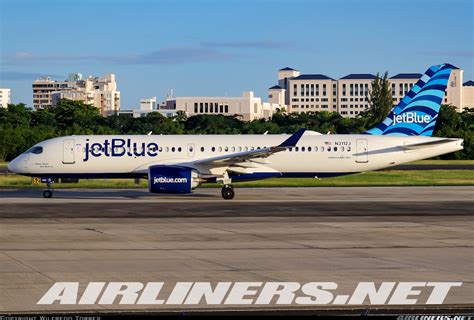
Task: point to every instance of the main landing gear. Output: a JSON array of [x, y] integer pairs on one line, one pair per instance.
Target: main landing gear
[[48, 193], [228, 192]]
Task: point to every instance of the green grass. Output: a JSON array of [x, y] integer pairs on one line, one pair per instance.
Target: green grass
[[375, 178], [444, 162], [3, 164]]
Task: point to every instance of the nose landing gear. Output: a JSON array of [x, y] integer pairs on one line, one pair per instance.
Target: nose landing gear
[[48, 193]]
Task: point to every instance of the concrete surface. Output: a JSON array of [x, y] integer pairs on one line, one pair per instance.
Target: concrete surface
[[345, 235]]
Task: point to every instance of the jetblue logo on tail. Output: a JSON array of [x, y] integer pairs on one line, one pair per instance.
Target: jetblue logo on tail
[[411, 117], [417, 112]]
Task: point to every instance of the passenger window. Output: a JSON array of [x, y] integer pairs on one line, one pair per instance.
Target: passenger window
[[213, 149], [240, 148], [226, 149], [179, 149], [348, 148], [220, 149], [202, 149], [335, 149], [329, 148], [252, 148], [246, 148], [342, 148], [302, 148], [315, 149], [167, 149], [309, 148], [290, 149], [322, 149], [296, 148], [172, 149]]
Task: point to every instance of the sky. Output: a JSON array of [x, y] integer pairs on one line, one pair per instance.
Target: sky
[[222, 48]]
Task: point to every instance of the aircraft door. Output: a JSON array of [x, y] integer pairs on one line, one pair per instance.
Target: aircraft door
[[190, 150], [362, 151], [68, 151]]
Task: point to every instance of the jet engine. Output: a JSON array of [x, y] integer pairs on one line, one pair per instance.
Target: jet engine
[[172, 179]]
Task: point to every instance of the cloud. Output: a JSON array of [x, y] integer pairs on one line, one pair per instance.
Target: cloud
[[19, 76], [462, 54], [168, 56], [206, 51], [262, 44], [23, 56], [179, 55]]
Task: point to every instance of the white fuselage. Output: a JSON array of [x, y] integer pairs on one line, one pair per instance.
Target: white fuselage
[[314, 155]]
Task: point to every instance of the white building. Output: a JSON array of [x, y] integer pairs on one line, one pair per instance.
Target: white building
[[247, 107], [353, 94], [147, 106], [5, 98], [100, 92], [468, 94], [349, 95]]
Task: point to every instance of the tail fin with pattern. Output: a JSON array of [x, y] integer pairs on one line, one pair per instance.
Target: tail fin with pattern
[[417, 112]]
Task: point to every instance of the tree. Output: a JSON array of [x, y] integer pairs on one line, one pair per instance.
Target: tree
[[380, 101], [451, 124], [73, 116], [181, 116]]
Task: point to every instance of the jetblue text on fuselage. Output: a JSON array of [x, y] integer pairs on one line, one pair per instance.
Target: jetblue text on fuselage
[[411, 117], [120, 148]]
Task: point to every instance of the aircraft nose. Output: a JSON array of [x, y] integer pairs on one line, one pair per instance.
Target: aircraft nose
[[17, 165], [13, 165]]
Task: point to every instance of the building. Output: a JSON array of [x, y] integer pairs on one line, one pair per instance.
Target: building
[[247, 107], [352, 94], [349, 94], [43, 89], [468, 94], [149, 104], [100, 92], [146, 106], [5, 98]]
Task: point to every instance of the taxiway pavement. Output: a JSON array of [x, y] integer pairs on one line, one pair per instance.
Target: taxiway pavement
[[345, 235]]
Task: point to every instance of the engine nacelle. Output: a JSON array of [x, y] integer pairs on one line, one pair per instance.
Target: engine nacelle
[[172, 179]]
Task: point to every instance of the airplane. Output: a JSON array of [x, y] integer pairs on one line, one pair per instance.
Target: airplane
[[177, 164]]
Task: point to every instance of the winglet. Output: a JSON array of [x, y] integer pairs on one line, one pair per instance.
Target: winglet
[[293, 140]]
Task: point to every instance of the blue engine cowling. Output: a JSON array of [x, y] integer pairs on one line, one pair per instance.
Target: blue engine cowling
[[172, 179]]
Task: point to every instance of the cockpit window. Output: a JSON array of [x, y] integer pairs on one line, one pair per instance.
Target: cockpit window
[[35, 150]]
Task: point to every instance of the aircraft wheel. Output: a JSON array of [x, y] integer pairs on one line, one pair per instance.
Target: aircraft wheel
[[228, 192], [47, 193]]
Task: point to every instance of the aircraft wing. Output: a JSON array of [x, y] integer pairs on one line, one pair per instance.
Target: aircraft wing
[[234, 158]]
